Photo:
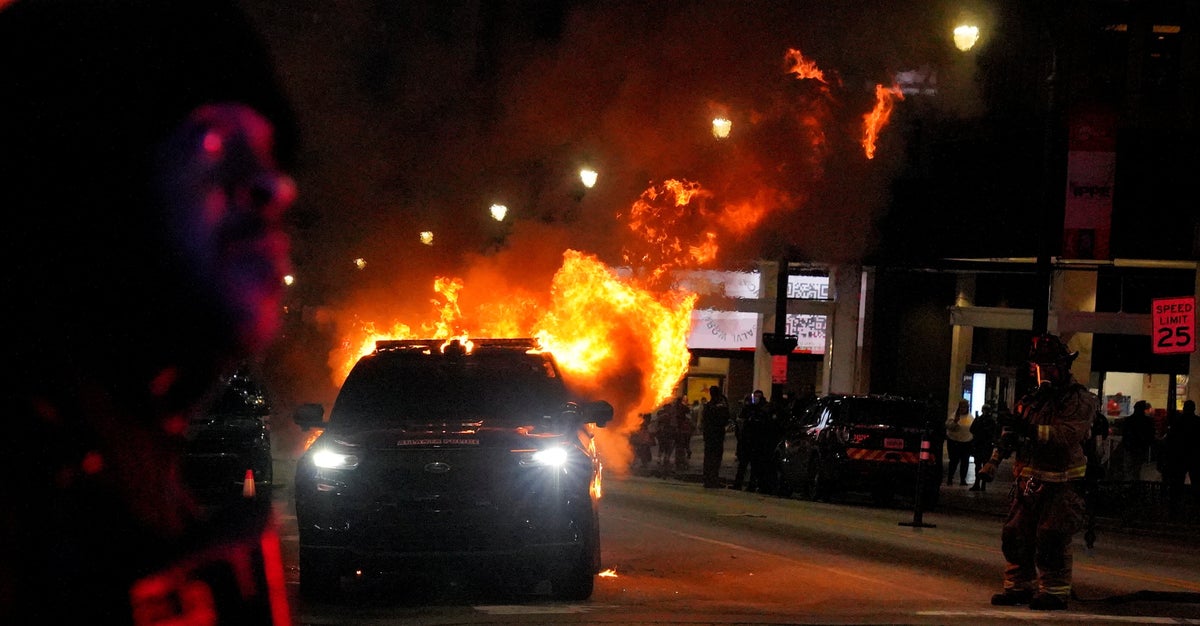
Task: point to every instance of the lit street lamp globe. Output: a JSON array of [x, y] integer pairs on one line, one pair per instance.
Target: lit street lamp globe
[[588, 176], [721, 127], [965, 36]]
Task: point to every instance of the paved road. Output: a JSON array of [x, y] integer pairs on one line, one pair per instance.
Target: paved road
[[684, 554]]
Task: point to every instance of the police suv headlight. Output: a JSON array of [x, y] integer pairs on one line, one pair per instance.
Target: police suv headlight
[[331, 459], [549, 457]]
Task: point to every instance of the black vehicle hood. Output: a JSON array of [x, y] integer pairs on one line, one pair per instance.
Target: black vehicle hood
[[442, 435]]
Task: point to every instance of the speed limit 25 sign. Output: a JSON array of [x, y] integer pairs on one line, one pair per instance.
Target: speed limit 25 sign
[[1174, 325]]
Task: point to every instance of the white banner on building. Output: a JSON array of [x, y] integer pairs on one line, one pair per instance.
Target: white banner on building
[[734, 330]]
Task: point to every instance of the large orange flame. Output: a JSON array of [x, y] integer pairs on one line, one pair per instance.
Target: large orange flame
[[668, 230], [613, 337], [873, 122], [803, 68], [596, 319], [622, 335], [449, 313]]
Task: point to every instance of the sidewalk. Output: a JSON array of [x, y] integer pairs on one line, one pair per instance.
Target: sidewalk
[[1122, 507], [1133, 508]]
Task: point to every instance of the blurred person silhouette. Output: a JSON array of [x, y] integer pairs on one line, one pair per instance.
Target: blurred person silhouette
[[712, 426], [666, 434], [958, 442], [684, 429], [1182, 451], [1047, 501], [139, 144], [1137, 436], [752, 430], [643, 443], [698, 410], [741, 456], [983, 436]]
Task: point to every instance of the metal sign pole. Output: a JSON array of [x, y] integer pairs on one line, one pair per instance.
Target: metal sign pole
[[926, 456]]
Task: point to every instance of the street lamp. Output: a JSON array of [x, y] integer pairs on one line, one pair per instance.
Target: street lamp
[[721, 127], [588, 176], [965, 36]]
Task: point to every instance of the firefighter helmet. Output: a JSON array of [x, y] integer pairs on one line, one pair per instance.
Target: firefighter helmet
[[1047, 348]]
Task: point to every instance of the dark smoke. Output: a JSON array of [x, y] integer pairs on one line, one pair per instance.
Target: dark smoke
[[419, 115]]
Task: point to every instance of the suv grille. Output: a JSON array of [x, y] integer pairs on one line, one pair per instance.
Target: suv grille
[[473, 478]]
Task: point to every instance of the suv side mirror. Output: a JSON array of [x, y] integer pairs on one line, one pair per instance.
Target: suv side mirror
[[309, 415], [599, 413]]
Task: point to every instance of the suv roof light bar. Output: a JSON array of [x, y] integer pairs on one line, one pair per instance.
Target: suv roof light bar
[[527, 343]]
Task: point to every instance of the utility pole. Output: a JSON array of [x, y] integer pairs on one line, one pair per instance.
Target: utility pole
[[779, 344], [1051, 197]]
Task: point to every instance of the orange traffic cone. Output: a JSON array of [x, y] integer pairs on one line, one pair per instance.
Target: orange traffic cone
[[248, 484]]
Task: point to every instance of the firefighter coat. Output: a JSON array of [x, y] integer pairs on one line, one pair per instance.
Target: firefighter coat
[[1057, 423]]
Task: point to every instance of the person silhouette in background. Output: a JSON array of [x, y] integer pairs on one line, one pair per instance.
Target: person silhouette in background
[[666, 435], [713, 423], [1182, 449], [642, 443], [983, 436], [752, 432], [684, 430], [1137, 435], [141, 146], [958, 442]]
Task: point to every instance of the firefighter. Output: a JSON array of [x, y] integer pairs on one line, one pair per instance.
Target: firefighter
[[1047, 506]]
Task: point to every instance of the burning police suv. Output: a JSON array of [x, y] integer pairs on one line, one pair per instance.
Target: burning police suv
[[452, 457]]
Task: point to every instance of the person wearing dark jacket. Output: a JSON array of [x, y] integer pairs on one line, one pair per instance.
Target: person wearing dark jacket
[[139, 145], [983, 435], [1137, 436], [714, 421], [753, 434], [1182, 450], [1047, 436]]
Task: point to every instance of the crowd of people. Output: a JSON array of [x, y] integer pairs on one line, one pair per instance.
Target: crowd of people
[[664, 438], [1166, 454], [663, 441], [971, 438]]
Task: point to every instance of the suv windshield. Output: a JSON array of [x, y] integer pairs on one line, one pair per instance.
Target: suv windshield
[[884, 412], [398, 388], [241, 398]]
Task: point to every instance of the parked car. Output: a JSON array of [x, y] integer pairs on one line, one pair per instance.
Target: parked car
[[452, 457], [230, 437], [862, 443]]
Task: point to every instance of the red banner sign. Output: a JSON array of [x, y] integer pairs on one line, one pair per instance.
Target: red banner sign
[[779, 364]]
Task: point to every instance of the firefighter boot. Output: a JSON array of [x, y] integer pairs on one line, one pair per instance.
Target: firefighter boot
[[1012, 597], [1048, 602]]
